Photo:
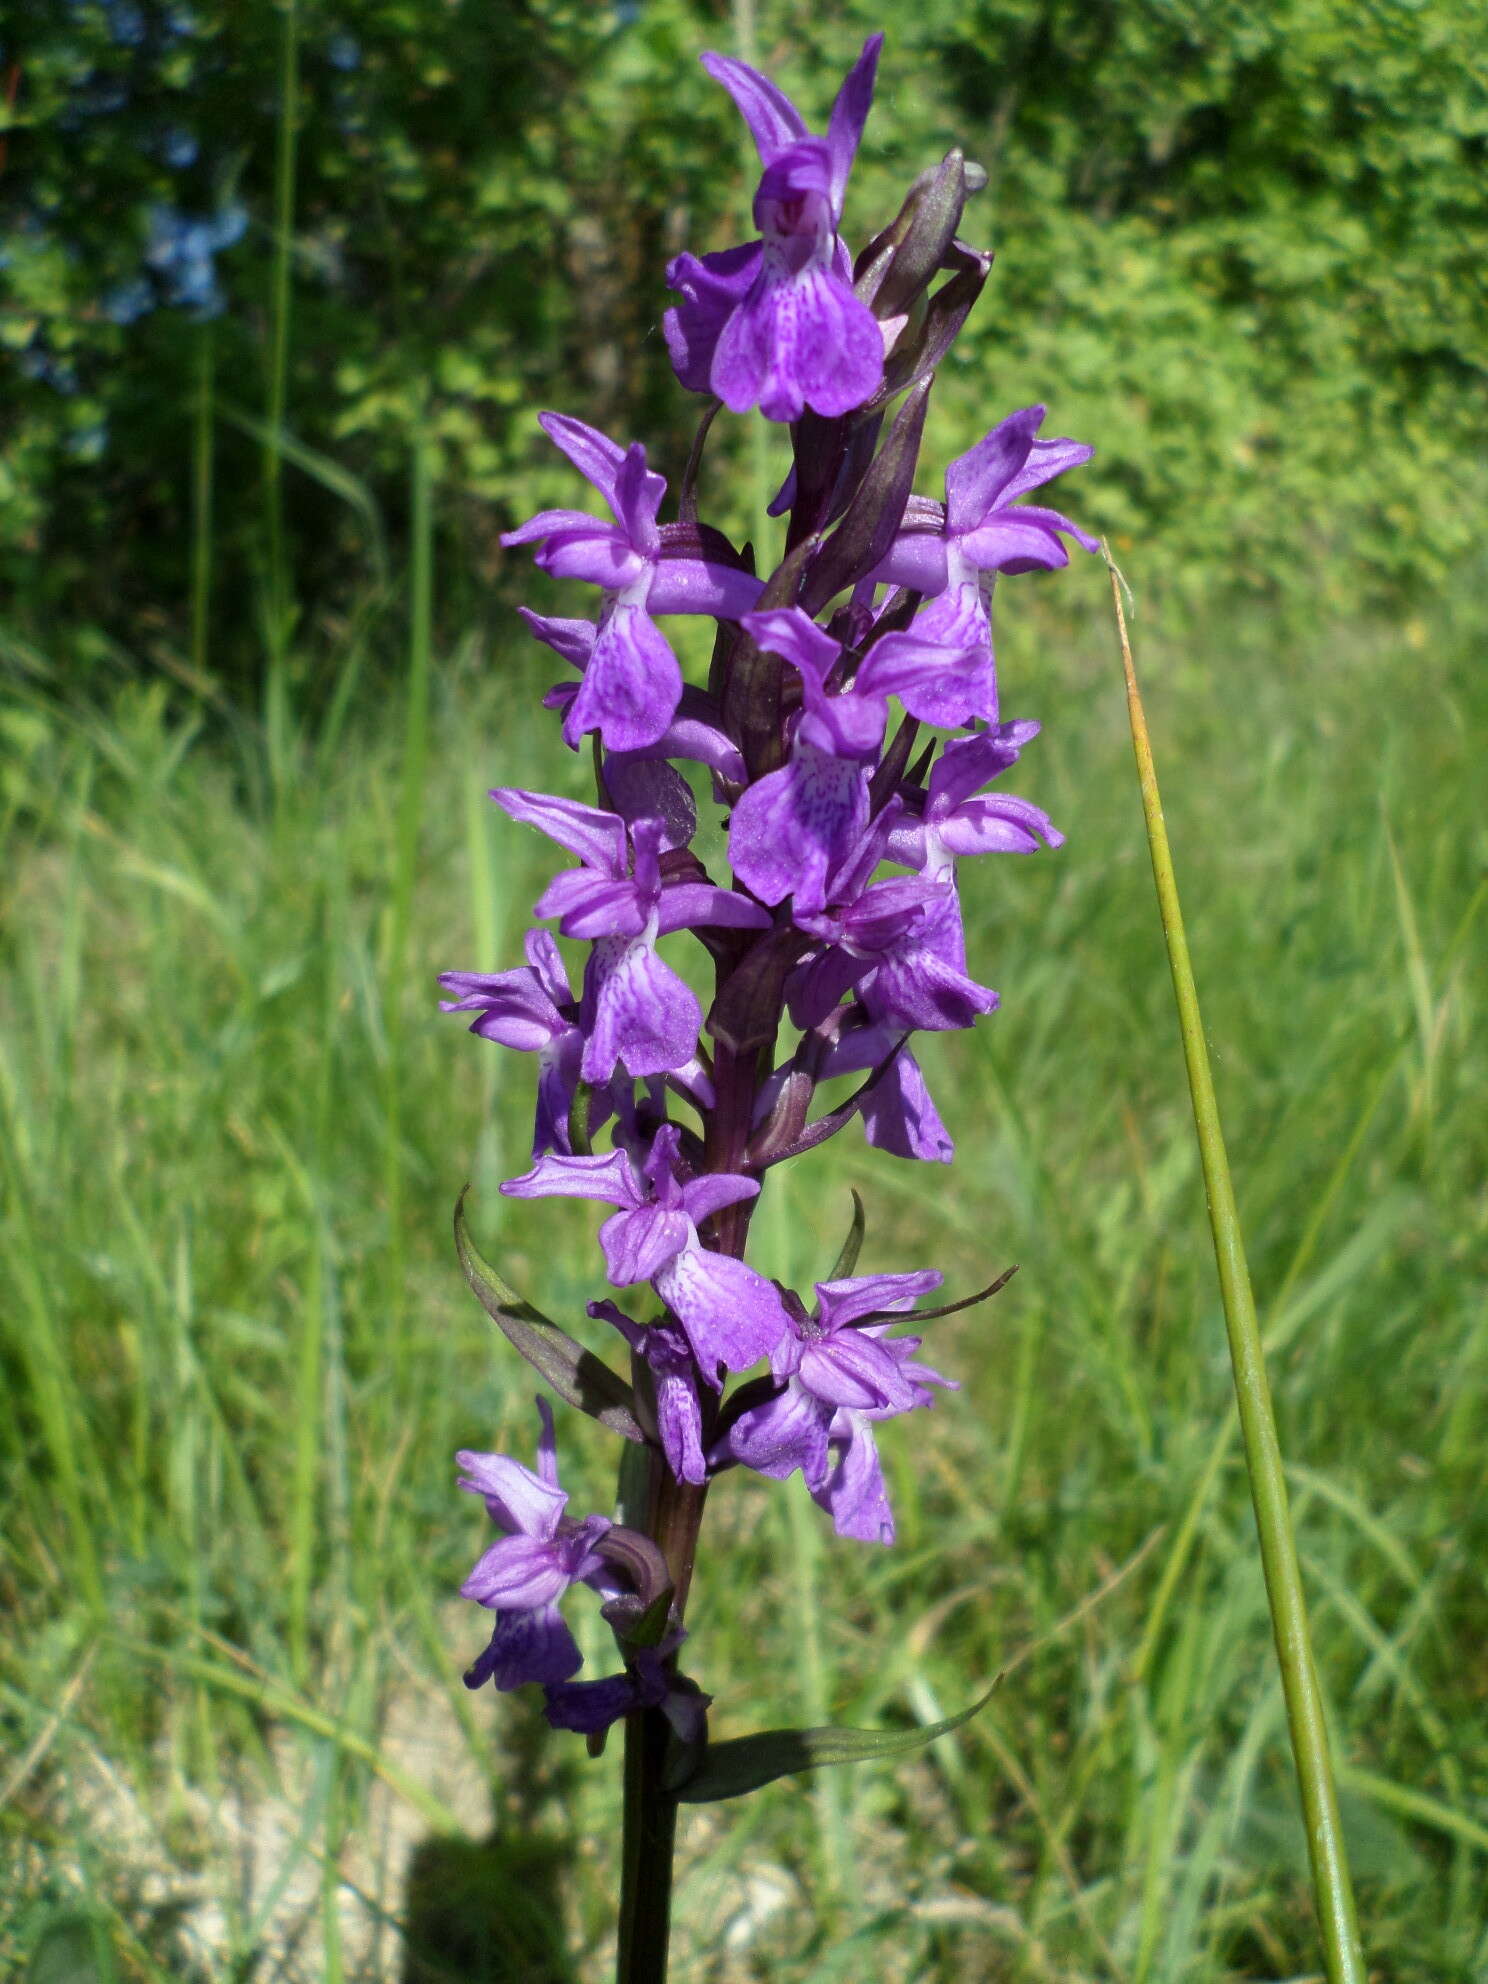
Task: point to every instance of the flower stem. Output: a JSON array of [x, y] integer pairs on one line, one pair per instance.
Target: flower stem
[[1332, 1889], [650, 1813], [646, 1856]]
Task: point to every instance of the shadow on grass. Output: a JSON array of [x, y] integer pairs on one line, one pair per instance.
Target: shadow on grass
[[492, 1911]]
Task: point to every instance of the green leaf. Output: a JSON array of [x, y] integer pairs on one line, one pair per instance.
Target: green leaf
[[744, 1763], [575, 1374], [72, 1947], [847, 1260]]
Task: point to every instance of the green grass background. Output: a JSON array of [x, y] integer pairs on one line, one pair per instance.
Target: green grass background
[[239, 1355]]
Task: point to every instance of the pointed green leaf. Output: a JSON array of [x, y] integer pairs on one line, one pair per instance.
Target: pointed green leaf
[[575, 1374], [744, 1763], [72, 1946], [847, 1260]]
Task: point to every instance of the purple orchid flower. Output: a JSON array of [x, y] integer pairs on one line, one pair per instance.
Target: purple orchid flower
[[729, 1313], [793, 828], [524, 1574], [898, 1113], [632, 681], [649, 1681], [533, 1010], [635, 1010], [794, 831], [693, 732], [679, 1412], [839, 1375], [777, 325], [984, 527]]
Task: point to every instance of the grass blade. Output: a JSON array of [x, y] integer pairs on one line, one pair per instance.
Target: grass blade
[[1332, 1889]]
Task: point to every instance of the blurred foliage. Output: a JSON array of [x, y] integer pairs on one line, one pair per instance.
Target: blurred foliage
[[1241, 248]]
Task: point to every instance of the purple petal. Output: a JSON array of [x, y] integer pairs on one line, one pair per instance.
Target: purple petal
[[596, 837], [557, 1085], [793, 635], [679, 1414], [593, 905], [511, 1007], [731, 1314], [849, 115], [713, 1190], [793, 828], [916, 560], [710, 287], [897, 1113], [702, 585], [959, 686], [517, 1573], [638, 494], [609, 1180], [1047, 459], [638, 1245], [853, 1371], [919, 987], [632, 685], [977, 482], [819, 986], [687, 905], [573, 639], [797, 341], [922, 667], [1012, 542], [692, 735], [999, 825], [594, 455], [559, 523], [546, 962], [773, 119], [586, 1707], [968, 763], [899, 1117], [785, 1433], [602, 557], [522, 1502], [843, 1302], [527, 1646], [854, 1495], [637, 1011]]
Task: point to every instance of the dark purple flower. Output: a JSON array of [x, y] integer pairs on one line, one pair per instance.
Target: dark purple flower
[[730, 1314], [777, 324], [839, 1375], [632, 682], [649, 1681], [635, 1009], [523, 1575], [984, 527]]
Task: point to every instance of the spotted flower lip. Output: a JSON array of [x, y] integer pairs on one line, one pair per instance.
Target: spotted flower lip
[[632, 680], [776, 324]]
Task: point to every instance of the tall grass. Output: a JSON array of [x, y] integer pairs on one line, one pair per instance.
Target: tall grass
[[239, 1356]]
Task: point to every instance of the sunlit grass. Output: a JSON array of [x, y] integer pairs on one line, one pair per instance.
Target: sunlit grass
[[235, 1384]]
